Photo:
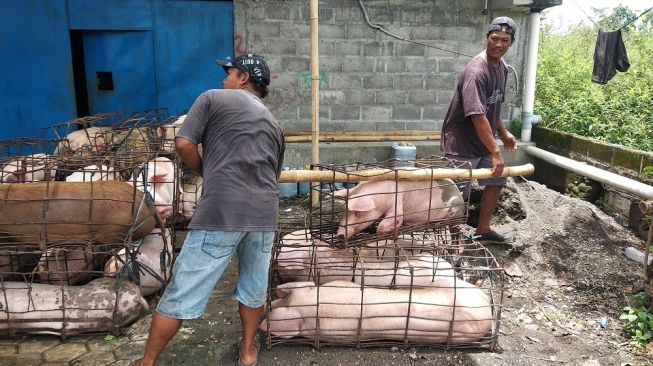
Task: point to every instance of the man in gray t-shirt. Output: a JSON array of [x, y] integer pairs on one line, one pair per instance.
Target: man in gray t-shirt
[[243, 148], [472, 121]]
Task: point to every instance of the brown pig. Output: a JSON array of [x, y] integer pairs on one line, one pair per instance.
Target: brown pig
[[454, 305], [103, 212]]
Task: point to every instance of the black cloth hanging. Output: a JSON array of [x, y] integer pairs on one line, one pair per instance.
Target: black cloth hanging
[[609, 55]]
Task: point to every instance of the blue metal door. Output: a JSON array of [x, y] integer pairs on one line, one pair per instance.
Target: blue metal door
[[120, 73]]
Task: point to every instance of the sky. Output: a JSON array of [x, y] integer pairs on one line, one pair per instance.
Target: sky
[[569, 13]]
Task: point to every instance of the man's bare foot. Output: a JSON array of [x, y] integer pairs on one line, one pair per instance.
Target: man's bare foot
[[140, 362], [249, 357]]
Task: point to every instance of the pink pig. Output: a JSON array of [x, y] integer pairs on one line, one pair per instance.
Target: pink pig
[[162, 184], [347, 313], [376, 199], [167, 134]]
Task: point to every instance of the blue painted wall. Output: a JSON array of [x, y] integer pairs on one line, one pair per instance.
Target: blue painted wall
[[36, 75], [165, 49]]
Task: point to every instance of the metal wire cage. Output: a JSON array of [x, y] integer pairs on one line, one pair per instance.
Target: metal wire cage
[[424, 288], [348, 215], [74, 243]]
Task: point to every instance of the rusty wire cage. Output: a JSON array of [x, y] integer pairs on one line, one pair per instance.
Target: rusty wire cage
[[423, 288], [336, 221], [103, 223]]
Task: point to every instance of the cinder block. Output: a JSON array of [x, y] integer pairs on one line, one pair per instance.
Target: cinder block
[[454, 65], [415, 16], [389, 65], [443, 49], [359, 126], [331, 31], [332, 126], [382, 48], [344, 81], [422, 126], [280, 46], [358, 64], [391, 97], [299, 64], [364, 31], [326, 15], [410, 49], [439, 81], [459, 33], [376, 113], [332, 97], [329, 64], [428, 32], [270, 29], [409, 82], [293, 31], [377, 81], [381, 13], [391, 126], [349, 48], [359, 96], [434, 113], [445, 96], [406, 112], [421, 65], [428, 97], [346, 112], [306, 112]]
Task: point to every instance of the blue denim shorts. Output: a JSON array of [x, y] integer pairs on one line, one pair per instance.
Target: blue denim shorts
[[478, 162], [203, 259]]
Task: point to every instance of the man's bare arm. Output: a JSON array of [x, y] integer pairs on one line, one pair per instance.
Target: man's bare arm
[[189, 154]]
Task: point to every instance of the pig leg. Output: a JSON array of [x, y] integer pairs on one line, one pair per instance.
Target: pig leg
[[393, 218]]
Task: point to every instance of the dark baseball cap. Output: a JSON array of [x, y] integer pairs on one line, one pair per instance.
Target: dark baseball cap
[[504, 24], [253, 64]]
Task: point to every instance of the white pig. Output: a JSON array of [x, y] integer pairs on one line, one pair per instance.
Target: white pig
[[93, 173], [65, 266], [416, 203], [300, 259], [32, 168], [191, 193], [161, 183], [98, 306], [454, 305], [167, 134], [151, 277], [87, 142]]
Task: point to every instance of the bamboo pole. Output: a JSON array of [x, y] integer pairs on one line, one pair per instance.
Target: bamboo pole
[[363, 133], [327, 137], [315, 95], [290, 176]]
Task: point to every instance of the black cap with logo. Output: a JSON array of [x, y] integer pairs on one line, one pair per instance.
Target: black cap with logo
[[250, 63], [504, 24]]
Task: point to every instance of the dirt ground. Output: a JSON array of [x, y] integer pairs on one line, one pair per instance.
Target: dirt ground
[[565, 272]]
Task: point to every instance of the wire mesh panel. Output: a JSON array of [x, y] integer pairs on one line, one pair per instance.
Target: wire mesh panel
[[75, 222], [382, 209], [424, 288]]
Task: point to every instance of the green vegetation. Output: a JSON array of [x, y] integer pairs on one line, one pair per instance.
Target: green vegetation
[[619, 112], [638, 322]]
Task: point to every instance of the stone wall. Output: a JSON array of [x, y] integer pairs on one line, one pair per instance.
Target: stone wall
[[369, 80]]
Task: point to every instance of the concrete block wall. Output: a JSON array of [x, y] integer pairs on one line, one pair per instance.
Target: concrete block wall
[[370, 81]]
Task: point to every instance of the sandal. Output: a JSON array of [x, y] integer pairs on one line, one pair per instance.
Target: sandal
[[491, 237], [257, 346]]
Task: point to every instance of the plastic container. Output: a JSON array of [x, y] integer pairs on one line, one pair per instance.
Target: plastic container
[[287, 189], [404, 151], [303, 188]]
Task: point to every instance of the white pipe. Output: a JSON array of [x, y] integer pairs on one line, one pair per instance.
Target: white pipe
[[529, 78], [622, 183]]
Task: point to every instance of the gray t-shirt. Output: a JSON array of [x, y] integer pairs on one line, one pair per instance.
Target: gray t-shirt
[[242, 159], [480, 90]]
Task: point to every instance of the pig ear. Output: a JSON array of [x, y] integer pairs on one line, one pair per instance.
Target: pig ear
[[283, 322], [361, 204]]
